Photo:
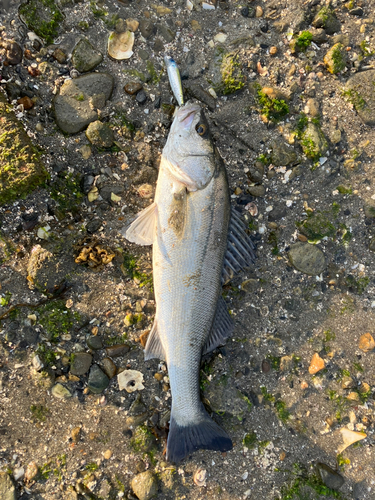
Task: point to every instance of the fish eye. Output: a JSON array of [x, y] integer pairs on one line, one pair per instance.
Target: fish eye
[[201, 128]]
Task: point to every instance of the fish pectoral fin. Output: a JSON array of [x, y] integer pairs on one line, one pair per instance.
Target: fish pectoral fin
[[240, 250], [142, 229], [221, 329], [154, 347]]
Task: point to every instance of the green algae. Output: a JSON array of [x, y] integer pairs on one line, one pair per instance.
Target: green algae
[[43, 17]]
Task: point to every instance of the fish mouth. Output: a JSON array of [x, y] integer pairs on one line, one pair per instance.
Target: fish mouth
[[186, 114]]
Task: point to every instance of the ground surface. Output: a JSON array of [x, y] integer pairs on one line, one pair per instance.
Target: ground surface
[[282, 418]]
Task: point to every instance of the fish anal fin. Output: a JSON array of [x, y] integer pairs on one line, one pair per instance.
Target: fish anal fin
[[221, 329], [142, 229], [240, 250], [154, 347]]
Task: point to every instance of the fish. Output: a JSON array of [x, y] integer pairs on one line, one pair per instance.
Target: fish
[[199, 243], [174, 79]]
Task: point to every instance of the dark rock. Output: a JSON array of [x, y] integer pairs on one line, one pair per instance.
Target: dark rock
[[357, 11], [256, 172], [94, 342], [166, 33], [85, 57], [143, 54], [308, 259], [109, 367], [117, 350], [360, 92], [158, 45], [197, 91], [330, 477], [282, 154], [60, 56], [98, 380], [278, 212], [141, 97], [257, 191], [13, 90], [147, 28], [30, 335], [100, 134], [266, 367], [11, 51], [245, 12], [80, 364], [93, 226], [326, 18], [87, 182], [132, 88]]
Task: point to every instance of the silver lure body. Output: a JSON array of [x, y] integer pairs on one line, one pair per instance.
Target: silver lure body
[[174, 79]]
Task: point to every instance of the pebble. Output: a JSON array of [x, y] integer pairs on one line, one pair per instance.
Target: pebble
[[60, 392], [107, 454], [147, 28], [316, 364], [306, 258], [98, 380], [273, 51], [85, 151], [100, 134], [37, 363], [330, 477], [80, 364], [258, 11], [132, 24], [141, 97], [257, 191], [366, 342], [7, 489], [109, 367], [117, 350], [59, 55], [94, 342], [85, 57], [132, 88], [39, 127], [26, 102], [31, 471], [362, 87], [12, 52], [75, 434], [145, 485]]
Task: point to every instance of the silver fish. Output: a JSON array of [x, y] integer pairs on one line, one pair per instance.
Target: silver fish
[[194, 235], [174, 79]]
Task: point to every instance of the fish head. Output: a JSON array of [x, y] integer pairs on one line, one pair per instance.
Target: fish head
[[189, 151]]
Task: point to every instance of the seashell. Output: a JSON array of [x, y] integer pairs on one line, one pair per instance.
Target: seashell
[[120, 45], [252, 209], [200, 477], [349, 437], [130, 380]]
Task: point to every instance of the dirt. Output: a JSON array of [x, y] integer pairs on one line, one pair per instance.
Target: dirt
[[282, 419]]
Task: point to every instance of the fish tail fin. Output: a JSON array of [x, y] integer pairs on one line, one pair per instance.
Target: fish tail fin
[[203, 433]]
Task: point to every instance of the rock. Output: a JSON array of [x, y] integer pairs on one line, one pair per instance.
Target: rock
[[145, 485], [316, 364], [117, 350], [21, 170], [347, 382], [313, 108], [330, 477], [308, 259], [282, 154], [98, 381], [357, 11], [13, 90], [100, 134], [132, 24], [44, 18], [97, 101], [80, 364], [60, 392], [120, 45], [105, 490], [279, 211], [141, 97], [85, 57], [313, 142], [72, 106], [359, 90], [76, 434], [132, 88], [366, 342], [94, 342], [7, 489], [286, 363], [147, 28], [197, 92], [26, 102], [326, 18], [258, 191], [319, 36], [60, 55], [10, 52], [31, 471], [225, 72], [109, 367], [166, 33], [336, 58]]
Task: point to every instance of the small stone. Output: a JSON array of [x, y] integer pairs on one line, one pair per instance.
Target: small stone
[[37, 363], [357, 11], [141, 97], [26, 102], [80, 364], [85, 57], [282, 154], [31, 471], [145, 485], [147, 28], [100, 134], [353, 396], [306, 258], [195, 25], [60, 392], [132, 88], [258, 11], [39, 127], [117, 350], [158, 376], [304, 385], [59, 55], [330, 477], [94, 342], [12, 52], [326, 18], [313, 108], [316, 364], [336, 58], [107, 454], [273, 51], [75, 434], [347, 382], [132, 24], [257, 191], [98, 380], [161, 10], [7, 489], [366, 342], [266, 367], [166, 33], [109, 367], [85, 151], [359, 90], [286, 363]]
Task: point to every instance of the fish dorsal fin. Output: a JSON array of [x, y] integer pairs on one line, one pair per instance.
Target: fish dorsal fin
[[142, 229], [221, 329], [240, 250], [154, 348]]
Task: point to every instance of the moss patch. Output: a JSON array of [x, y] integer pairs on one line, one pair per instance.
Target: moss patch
[[43, 17], [56, 319], [231, 76], [21, 170]]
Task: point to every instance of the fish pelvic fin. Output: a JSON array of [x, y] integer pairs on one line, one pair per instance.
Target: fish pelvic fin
[[222, 327], [142, 229], [203, 433], [154, 347]]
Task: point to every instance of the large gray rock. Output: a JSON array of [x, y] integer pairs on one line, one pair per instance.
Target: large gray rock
[[145, 485], [360, 91], [308, 259], [72, 105], [330, 477], [81, 363], [7, 489]]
